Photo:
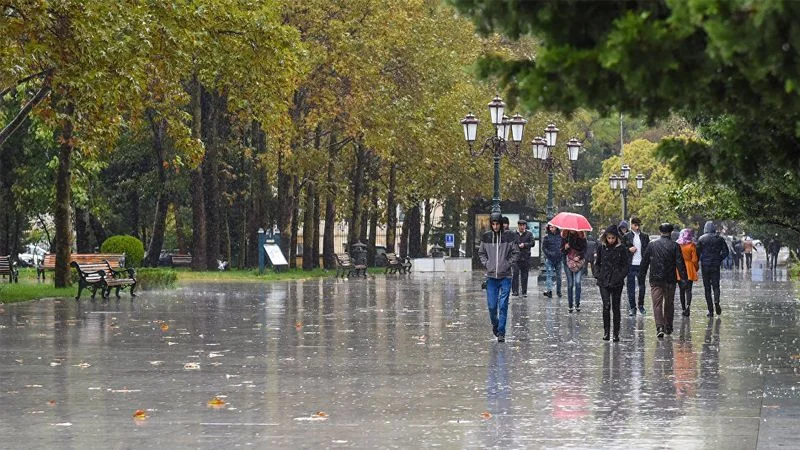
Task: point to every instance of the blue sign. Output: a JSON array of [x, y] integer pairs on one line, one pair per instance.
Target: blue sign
[[449, 240]]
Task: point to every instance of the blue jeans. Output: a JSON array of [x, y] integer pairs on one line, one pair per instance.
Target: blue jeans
[[497, 290], [631, 282], [552, 268], [573, 283]]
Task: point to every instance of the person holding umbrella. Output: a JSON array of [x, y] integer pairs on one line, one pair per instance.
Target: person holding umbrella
[[498, 253], [573, 251]]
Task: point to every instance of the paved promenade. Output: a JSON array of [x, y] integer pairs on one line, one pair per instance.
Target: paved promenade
[[397, 361]]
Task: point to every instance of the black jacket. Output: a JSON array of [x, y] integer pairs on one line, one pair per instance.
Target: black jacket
[[627, 241], [663, 257], [526, 239], [551, 246], [611, 265], [712, 249]]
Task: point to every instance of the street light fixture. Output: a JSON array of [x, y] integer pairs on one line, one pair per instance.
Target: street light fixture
[[543, 152], [619, 185], [497, 144]]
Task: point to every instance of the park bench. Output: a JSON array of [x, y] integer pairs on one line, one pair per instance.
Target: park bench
[[105, 275], [48, 263], [346, 266], [7, 267], [396, 264], [181, 260]]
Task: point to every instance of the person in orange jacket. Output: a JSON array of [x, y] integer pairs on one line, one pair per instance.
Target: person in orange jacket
[[689, 251]]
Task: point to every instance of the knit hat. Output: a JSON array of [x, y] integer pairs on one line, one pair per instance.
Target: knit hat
[[624, 224], [612, 230]]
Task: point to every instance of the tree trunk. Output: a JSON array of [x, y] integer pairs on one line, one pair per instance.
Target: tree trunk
[[404, 238], [426, 230], [162, 200], [198, 187], [295, 226], [391, 211], [308, 228], [63, 199], [179, 235], [98, 230], [286, 207], [316, 219], [83, 242], [354, 230], [328, 249], [415, 249], [211, 116], [259, 201], [373, 228]]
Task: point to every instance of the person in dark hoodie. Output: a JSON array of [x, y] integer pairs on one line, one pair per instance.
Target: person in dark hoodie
[[525, 242], [712, 249], [498, 253], [551, 247], [610, 269], [664, 259]]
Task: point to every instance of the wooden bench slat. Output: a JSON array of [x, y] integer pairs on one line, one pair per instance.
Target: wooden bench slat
[[8, 268]]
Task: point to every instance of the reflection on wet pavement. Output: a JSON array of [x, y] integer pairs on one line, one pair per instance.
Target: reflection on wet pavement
[[405, 361]]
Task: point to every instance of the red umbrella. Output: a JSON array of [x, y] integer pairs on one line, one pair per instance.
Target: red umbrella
[[570, 221]]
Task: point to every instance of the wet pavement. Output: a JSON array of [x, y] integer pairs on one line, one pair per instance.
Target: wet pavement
[[397, 361]]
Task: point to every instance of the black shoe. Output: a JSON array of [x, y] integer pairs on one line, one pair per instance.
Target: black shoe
[[606, 337], [494, 331], [570, 310], [641, 310], [718, 308], [660, 333], [631, 312], [685, 313], [501, 338], [548, 294], [515, 294], [709, 314], [616, 338], [669, 330], [558, 294], [577, 309], [525, 295]]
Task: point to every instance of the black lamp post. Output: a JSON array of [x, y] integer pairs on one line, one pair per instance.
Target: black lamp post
[[543, 151], [619, 184], [497, 143]]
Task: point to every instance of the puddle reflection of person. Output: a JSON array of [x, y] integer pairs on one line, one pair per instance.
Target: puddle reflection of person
[[498, 399], [685, 364], [709, 361]]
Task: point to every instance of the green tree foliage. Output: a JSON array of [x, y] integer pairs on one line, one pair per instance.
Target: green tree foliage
[[730, 66], [129, 245]]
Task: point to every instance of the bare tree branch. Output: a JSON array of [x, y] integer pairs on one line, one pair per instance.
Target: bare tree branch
[[25, 111]]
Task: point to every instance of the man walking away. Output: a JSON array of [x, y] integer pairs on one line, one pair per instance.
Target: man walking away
[[636, 241], [712, 250], [498, 252], [591, 252], [664, 259], [525, 243], [773, 248], [551, 246]]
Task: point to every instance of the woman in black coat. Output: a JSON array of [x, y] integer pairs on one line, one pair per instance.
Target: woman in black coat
[[611, 268]]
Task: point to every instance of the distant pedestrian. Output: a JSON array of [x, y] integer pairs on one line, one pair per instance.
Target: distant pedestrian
[[690, 258], [574, 250], [498, 252], [664, 260], [623, 228], [611, 268], [727, 262], [738, 252], [551, 246], [773, 249], [748, 251], [711, 249], [591, 253], [636, 241], [525, 242]]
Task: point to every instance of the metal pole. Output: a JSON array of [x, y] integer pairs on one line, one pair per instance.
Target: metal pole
[[551, 209], [625, 204], [496, 197]]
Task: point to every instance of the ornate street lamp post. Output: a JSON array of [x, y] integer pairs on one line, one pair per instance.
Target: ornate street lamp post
[[497, 143], [619, 185], [543, 151]]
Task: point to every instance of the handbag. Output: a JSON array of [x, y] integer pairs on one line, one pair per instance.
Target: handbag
[[575, 261]]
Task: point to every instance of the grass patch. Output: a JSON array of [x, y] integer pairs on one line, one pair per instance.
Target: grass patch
[[155, 278]]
